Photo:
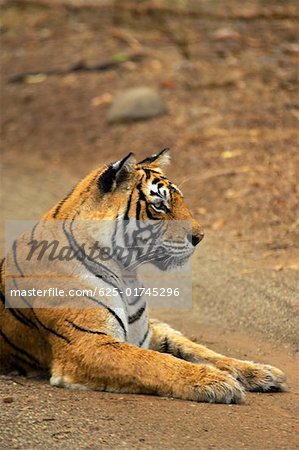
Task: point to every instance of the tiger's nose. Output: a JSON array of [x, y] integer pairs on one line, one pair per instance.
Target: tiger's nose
[[195, 238]]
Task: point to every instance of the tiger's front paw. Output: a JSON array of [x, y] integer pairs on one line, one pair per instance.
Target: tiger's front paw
[[222, 390], [212, 386], [255, 377]]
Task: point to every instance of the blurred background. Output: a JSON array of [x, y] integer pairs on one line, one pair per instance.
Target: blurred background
[[86, 82], [223, 94]]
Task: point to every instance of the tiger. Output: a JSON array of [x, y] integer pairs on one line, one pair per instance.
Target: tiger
[[96, 344]]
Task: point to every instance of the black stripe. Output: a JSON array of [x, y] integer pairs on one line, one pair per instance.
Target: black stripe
[[50, 329], [74, 245], [22, 318], [156, 180], [32, 232], [171, 195], [157, 173], [14, 247], [23, 352], [144, 338], [138, 210], [85, 330], [147, 173], [126, 216], [140, 192], [111, 312], [61, 203], [2, 297], [143, 198], [149, 213], [178, 353], [16, 313], [136, 315], [164, 347], [1, 266]]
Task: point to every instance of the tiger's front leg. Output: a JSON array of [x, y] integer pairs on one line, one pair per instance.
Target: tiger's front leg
[[91, 358], [253, 376]]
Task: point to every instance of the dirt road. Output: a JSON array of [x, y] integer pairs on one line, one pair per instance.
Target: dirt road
[[41, 416], [230, 84]]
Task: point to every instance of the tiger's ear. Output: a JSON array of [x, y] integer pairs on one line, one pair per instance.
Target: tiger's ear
[[117, 174], [158, 160]]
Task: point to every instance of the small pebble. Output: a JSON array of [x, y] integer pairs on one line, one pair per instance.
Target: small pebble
[[8, 399]]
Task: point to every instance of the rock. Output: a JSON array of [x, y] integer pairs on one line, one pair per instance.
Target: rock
[[8, 399], [225, 34], [291, 47], [136, 104]]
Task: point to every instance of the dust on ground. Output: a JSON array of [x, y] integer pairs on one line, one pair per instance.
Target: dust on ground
[[229, 77]]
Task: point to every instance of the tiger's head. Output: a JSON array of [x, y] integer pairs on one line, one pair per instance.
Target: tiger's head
[[147, 210]]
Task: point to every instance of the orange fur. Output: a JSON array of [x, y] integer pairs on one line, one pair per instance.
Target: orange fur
[[82, 348]]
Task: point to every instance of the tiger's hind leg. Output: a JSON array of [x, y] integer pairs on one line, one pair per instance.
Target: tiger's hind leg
[[23, 350], [253, 376]]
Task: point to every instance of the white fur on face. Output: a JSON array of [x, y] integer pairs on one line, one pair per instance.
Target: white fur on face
[[162, 192]]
